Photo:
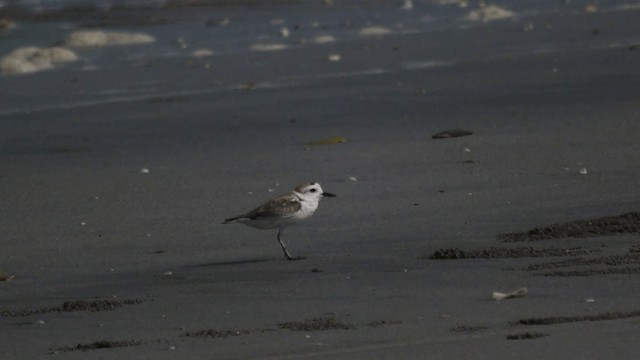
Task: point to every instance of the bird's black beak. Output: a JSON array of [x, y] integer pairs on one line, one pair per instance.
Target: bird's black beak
[[324, 193]]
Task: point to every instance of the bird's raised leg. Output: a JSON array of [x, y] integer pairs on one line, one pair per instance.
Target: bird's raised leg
[[284, 248]]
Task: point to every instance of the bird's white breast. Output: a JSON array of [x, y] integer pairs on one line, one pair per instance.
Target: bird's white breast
[[307, 208]]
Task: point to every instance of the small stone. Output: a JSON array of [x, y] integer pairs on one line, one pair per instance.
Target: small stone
[[583, 171], [144, 171]]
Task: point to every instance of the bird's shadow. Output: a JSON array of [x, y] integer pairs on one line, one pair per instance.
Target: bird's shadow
[[231, 263]]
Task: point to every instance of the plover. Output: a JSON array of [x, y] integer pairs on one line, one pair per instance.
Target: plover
[[285, 210]]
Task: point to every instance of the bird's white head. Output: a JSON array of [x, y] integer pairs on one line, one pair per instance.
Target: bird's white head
[[312, 191]]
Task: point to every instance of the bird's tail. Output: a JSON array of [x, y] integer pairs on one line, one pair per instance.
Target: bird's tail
[[231, 220]]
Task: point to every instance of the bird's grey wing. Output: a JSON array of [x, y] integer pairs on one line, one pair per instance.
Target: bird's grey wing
[[281, 206]]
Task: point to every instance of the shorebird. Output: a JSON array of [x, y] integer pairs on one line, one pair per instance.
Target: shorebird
[[285, 210]]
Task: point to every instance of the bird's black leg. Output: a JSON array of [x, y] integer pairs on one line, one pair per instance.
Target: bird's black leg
[[284, 248]]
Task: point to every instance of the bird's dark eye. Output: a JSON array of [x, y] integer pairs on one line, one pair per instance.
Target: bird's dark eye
[[313, 190]]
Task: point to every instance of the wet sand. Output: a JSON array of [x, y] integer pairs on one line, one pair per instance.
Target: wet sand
[[112, 239]]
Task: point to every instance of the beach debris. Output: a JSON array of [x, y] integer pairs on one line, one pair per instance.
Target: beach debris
[[583, 171], [41, 322], [202, 53], [97, 38], [328, 141], [284, 32], [590, 300], [407, 5], [144, 171], [167, 273], [590, 8], [353, 178], [323, 39], [487, 13], [451, 134], [31, 59], [268, 47], [374, 31], [511, 295], [334, 57], [5, 276]]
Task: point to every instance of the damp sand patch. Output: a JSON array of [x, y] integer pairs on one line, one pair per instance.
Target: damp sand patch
[[503, 253], [102, 344], [316, 324], [307, 325], [553, 320], [628, 223], [612, 260], [526, 336], [73, 306], [592, 272]]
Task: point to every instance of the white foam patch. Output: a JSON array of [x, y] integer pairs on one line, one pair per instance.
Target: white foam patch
[[489, 13], [268, 47], [374, 31], [407, 5], [202, 53], [31, 59], [416, 65], [459, 3], [323, 39], [96, 38], [628, 7]]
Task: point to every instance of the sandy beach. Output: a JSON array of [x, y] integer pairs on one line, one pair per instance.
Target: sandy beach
[[118, 166]]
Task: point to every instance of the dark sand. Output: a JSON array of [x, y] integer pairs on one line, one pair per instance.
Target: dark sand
[[108, 262]]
